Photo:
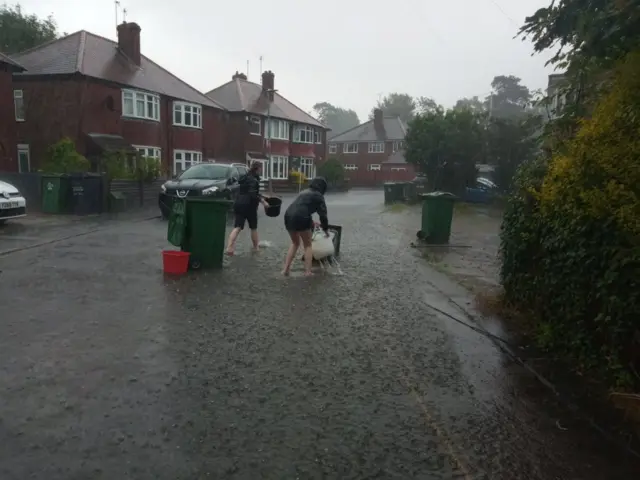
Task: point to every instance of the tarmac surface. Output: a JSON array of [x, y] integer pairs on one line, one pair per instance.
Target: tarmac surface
[[110, 370]]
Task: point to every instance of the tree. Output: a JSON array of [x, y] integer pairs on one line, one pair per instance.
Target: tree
[[337, 119], [20, 32], [398, 105], [508, 99], [474, 104], [426, 105], [333, 171], [446, 145]]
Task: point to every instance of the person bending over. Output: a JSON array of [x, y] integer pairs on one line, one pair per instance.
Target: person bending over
[[245, 207], [299, 224]]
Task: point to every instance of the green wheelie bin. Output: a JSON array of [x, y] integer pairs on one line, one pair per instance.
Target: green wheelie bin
[[205, 231], [55, 193], [437, 215], [393, 193]]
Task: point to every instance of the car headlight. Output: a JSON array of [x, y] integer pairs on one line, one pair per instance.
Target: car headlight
[[210, 190], [163, 189]]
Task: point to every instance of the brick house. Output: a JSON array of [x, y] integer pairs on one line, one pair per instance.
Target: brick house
[[373, 152], [107, 96], [9, 115], [265, 126]]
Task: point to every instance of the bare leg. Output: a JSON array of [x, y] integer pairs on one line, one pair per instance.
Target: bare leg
[[254, 239], [231, 244], [291, 253], [308, 254]]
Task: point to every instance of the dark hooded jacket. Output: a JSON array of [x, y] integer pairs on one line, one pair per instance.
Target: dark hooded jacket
[[311, 201], [249, 190]]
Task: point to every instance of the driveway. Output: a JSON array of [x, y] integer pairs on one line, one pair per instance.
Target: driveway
[[109, 370]]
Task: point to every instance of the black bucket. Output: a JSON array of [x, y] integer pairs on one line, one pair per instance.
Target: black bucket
[[275, 204]]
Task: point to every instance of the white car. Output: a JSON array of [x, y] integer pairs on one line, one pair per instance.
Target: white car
[[12, 203]]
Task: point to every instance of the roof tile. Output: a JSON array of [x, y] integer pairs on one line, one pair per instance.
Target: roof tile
[[98, 57], [394, 129], [5, 59], [240, 95]]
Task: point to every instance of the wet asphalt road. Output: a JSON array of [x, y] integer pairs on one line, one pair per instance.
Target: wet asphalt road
[[109, 370]]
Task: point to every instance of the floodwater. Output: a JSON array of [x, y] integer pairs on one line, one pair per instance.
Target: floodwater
[[109, 370]]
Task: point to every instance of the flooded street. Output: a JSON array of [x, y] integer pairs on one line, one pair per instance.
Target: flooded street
[[109, 370]]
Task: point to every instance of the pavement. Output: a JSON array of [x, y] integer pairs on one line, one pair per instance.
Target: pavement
[[110, 370]]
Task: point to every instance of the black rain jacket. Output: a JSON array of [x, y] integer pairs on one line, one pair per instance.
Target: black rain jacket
[[311, 201]]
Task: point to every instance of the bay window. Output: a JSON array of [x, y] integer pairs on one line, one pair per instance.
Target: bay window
[[183, 159], [187, 114], [138, 104], [278, 129], [303, 134], [307, 167], [279, 167]]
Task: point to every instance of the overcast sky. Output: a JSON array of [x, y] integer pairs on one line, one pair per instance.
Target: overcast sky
[[346, 52]]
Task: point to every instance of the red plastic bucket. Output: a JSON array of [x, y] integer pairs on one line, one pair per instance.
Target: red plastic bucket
[[175, 262]]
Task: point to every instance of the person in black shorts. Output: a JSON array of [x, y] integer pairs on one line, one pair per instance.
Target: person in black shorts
[[299, 224], [245, 207]]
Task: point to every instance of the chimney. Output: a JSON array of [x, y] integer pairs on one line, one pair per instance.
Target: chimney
[[239, 75], [129, 41], [378, 119], [268, 78]]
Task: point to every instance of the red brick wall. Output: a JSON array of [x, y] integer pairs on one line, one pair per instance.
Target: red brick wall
[[77, 106], [8, 140]]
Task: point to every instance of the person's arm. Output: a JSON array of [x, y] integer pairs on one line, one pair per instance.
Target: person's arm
[[322, 213]]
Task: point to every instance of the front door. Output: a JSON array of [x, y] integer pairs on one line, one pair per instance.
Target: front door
[[24, 161]]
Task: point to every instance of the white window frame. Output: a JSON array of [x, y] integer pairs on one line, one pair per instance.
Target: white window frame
[[374, 167], [303, 134], [18, 98], [193, 110], [350, 166], [180, 156], [24, 148], [308, 167], [278, 129], [317, 137], [255, 120], [280, 173], [346, 149], [376, 147], [333, 148], [138, 98], [149, 152], [398, 169]]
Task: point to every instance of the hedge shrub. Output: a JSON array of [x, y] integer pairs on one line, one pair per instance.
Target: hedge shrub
[[570, 240]]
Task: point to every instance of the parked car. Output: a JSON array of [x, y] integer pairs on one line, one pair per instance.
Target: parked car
[[217, 180], [484, 191], [12, 203]]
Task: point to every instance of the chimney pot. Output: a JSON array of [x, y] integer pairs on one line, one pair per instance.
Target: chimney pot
[[268, 82], [129, 41], [239, 75]]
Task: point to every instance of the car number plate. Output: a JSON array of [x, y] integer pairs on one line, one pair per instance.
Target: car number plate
[[4, 205]]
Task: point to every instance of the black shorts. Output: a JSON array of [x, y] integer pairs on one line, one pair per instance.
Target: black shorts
[[245, 213], [295, 223]]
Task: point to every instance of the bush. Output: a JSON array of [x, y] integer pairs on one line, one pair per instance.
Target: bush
[[571, 237], [333, 171], [297, 177], [62, 157]]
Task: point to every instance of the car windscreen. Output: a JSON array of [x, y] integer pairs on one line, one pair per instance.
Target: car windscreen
[[206, 172]]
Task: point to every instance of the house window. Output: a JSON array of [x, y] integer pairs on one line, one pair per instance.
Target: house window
[[255, 127], [398, 169], [187, 114], [307, 167], [350, 148], [183, 159], [374, 167], [350, 166], [303, 134], [317, 137], [279, 167], [278, 130], [140, 105], [376, 147], [333, 148], [18, 103], [24, 158], [148, 152], [398, 145]]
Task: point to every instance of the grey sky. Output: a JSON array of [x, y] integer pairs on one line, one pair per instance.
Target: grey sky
[[347, 52]]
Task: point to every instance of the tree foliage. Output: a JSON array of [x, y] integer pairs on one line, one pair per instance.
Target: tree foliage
[[509, 98], [397, 105], [333, 171], [337, 119], [62, 157], [446, 145], [20, 31]]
